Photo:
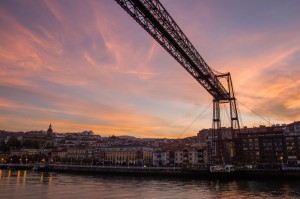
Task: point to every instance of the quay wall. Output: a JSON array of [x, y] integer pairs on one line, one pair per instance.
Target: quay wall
[[180, 172], [285, 173]]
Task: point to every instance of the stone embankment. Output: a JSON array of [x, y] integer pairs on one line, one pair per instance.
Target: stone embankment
[[286, 173]]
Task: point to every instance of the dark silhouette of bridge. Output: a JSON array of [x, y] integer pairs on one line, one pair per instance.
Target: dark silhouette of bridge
[[154, 18]]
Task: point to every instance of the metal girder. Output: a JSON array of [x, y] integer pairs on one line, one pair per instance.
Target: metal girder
[[218, 140], [154, 18]]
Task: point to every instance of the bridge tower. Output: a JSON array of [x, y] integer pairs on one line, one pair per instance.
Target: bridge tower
[[154, 18]]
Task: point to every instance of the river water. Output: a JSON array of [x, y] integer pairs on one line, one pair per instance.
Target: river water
[[29, 184]]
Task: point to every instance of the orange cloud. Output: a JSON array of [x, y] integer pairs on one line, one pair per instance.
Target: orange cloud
[[90, 66]]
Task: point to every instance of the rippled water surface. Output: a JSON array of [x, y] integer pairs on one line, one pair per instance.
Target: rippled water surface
[[28, 184]]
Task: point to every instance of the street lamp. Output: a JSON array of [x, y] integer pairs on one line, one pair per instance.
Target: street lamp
[[2, 160], [26, 161]]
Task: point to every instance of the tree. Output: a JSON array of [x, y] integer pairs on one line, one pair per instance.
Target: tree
[[3, 147], [31, 144], [13, 142]]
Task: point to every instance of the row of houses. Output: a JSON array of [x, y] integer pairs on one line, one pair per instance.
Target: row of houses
[[138, 155], [113, 150], [49, 139], [118, 155], [278, 144]]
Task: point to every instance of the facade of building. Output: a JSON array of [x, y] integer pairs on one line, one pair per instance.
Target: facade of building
[[126, 155], [192, 157], [248, 148], [292, 143], [161, 158], [271, 146], [268, 145], [275, 145], [77, 152], [59, 154]]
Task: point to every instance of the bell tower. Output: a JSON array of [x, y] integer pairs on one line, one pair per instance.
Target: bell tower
[[49, 131]]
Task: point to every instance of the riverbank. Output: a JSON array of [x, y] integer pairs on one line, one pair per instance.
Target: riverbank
[[161, 171]]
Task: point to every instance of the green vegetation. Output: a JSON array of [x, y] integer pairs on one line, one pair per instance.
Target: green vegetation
[[14, 143], [31, 144]]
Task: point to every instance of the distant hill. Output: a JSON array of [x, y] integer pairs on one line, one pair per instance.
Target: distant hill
[[127, 137]]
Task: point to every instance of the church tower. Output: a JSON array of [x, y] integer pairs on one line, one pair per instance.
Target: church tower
[[49, 131], [49, 138]]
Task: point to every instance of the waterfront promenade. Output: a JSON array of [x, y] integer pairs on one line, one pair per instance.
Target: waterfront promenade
[[240, 173]]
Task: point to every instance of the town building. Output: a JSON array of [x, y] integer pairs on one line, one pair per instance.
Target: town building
[[274, 145], [162, 158], [126, 155], [191, 157], [292, 143]]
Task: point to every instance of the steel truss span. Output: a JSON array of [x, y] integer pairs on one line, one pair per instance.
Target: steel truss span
[[155, 19]]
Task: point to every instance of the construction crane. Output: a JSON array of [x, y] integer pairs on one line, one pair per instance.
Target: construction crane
[[155, 19]]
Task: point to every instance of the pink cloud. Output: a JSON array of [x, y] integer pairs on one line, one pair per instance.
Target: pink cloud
[[97, 64]]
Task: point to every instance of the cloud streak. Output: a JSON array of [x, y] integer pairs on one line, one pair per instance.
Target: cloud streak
[[89, 66]]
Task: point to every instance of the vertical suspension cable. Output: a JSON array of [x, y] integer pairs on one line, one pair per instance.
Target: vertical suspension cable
[[239, 113]]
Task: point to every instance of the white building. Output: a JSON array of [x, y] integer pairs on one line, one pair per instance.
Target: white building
[[161, 158]]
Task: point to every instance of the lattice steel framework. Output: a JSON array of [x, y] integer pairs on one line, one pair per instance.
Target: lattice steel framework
[[219, 141], [155, 19]]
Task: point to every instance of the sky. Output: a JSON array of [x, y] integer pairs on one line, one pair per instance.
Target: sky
[[87, 65]]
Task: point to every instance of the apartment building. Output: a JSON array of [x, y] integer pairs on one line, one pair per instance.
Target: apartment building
[[126, 155]]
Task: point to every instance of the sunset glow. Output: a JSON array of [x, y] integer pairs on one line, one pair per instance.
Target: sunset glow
[[87, 65]]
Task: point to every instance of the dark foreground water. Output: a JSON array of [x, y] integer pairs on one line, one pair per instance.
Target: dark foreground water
[[29, 184]]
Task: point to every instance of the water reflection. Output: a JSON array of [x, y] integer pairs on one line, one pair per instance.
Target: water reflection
[[45, 178], [29, 184], [24, 177], [42, 178]]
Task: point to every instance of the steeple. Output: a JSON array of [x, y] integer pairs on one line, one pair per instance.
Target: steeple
[[49, 131]]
